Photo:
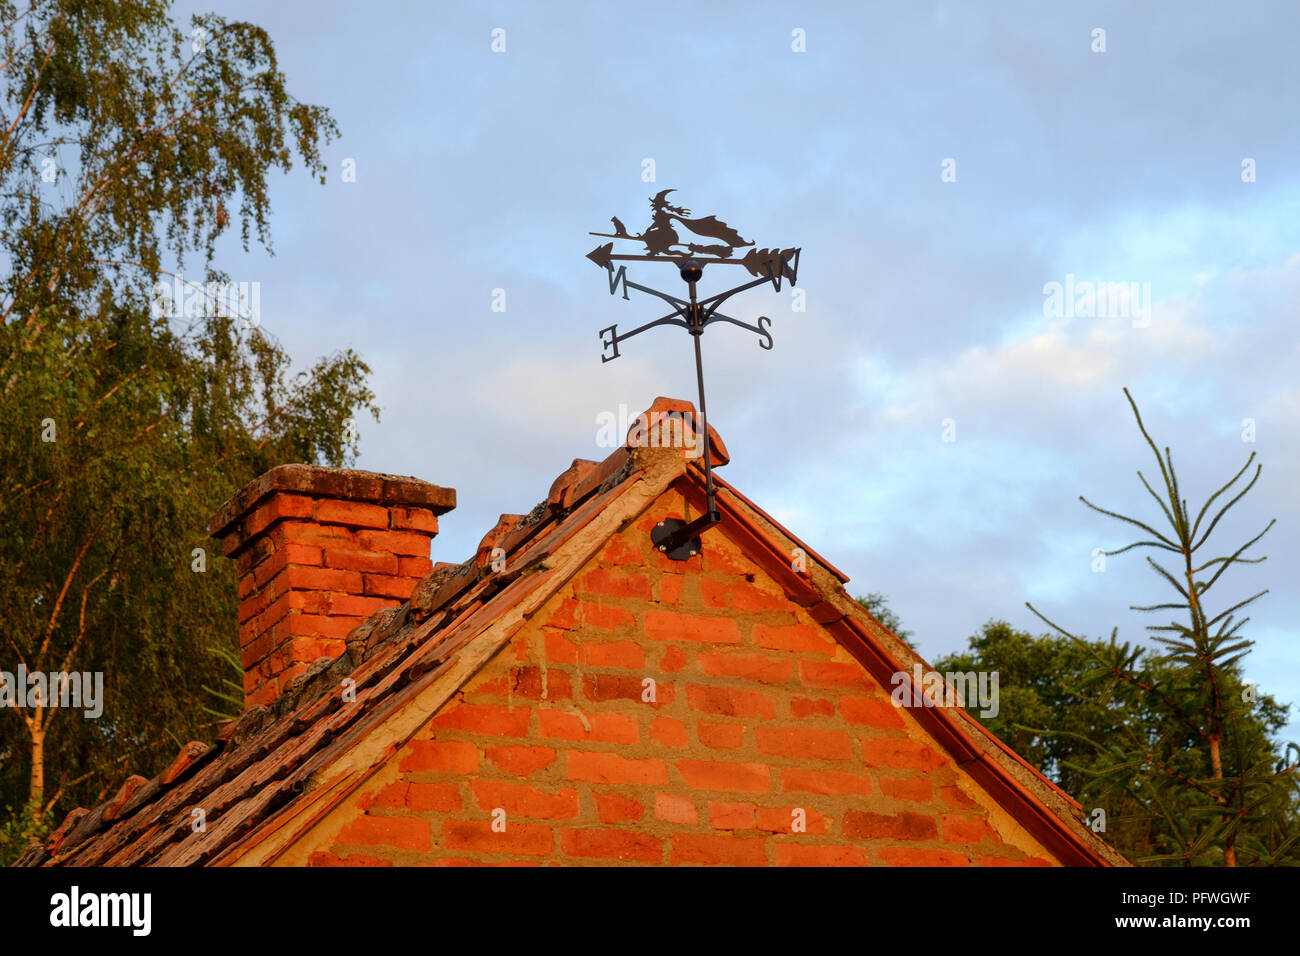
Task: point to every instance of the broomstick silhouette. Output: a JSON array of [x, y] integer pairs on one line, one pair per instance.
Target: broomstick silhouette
[[660, 236]]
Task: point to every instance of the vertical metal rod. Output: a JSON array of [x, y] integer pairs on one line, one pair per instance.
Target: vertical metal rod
[[697, 329]]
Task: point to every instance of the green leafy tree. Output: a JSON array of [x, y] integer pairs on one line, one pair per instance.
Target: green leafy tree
[[1193, 768], [877, 606], [128, 146], [1050, 716]]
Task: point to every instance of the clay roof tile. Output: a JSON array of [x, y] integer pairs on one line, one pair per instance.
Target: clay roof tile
[[580, 469], [189, 755], [670, 423], [53, 841], [505, 524]]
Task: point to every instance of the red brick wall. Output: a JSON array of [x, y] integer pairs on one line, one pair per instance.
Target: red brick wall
[[759, 717], [314, 570]]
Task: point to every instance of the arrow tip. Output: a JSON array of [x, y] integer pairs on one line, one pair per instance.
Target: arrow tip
[[600, 255]]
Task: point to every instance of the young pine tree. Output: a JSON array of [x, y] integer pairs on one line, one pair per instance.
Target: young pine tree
[[1195, 767]]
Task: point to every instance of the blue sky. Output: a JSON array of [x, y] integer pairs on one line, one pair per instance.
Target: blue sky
[[478, 171]]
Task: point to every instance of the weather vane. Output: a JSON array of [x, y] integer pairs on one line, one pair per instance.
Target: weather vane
[[678, 539]]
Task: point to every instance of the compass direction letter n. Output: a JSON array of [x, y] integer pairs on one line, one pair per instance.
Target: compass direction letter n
[[616, 277]]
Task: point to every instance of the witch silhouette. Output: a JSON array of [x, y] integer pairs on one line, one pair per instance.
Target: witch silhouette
[[660, 237]]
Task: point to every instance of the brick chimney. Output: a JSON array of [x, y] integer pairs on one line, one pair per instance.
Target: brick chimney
[[317, 551]]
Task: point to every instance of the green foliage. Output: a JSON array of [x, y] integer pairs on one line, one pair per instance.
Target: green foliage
[[1190, 761], [155, 420], [1037, 678], [18, 828], [229, 694], [1051, 714], [877, 606]]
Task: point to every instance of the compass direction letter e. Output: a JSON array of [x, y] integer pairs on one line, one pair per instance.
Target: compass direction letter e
[[612, 343]]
